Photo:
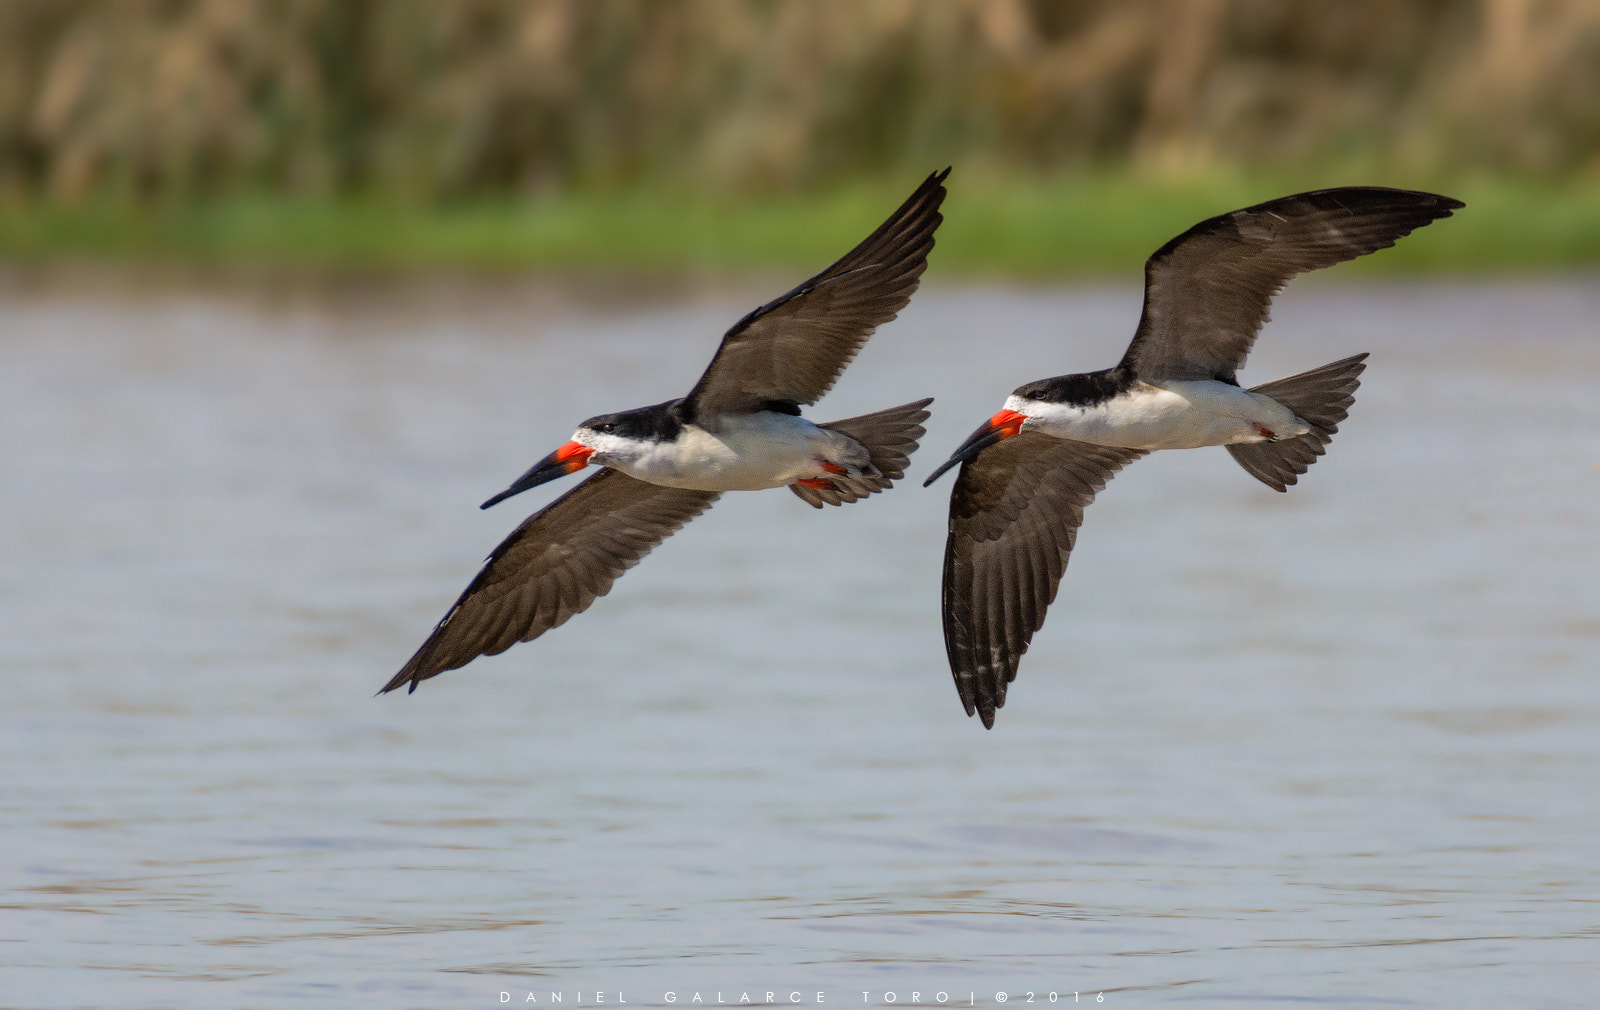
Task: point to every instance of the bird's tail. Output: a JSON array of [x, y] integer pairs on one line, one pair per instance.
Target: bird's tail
[[1321, 398], [890, 437]]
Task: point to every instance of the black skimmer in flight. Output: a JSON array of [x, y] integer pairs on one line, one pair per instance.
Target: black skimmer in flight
[[739, 429], [1029, 472]]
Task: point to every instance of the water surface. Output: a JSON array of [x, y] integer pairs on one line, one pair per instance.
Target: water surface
[[1333, 746]]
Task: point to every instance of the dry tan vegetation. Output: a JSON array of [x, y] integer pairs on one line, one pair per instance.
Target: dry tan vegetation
[[428, 100]]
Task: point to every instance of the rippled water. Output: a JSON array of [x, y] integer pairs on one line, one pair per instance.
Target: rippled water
[[1335, 746]]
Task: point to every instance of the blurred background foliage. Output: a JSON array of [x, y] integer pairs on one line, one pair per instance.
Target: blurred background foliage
[[511, 131]]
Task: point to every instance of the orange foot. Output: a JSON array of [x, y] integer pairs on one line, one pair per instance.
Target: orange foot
[[818, 483], [831, 467], [1265, 432]]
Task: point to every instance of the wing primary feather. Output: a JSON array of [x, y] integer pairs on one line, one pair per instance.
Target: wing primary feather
[[793, 349], [1014, 513], [554, 565], [1209, 290]]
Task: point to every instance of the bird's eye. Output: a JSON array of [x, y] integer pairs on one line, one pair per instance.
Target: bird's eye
[[608, 428]]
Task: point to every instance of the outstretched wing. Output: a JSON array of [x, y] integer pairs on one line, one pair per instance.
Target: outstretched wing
[[791, 350], [553, 566], [1208, 291], [1014, 517]]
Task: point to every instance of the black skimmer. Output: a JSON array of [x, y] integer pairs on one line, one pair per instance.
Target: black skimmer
[[1029, 472], [738, 429]]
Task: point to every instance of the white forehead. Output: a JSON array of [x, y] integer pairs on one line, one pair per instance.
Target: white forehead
[[607, 443]]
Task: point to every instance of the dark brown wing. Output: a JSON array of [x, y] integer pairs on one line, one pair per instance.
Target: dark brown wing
[[791, 350], [1014, 517], [1208, 291], [555, 564]]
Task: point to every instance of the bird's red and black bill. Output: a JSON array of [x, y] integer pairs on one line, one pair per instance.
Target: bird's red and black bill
[[1002, 425], [570, 458]]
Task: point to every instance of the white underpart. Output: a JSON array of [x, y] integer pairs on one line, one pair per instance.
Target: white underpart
[[1166, 415], [748, 453]]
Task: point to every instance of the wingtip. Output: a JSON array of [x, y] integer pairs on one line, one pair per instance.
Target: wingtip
[[934, 183], [394, 685], [1443, 207], [1436, 206], [408, 677], [976, 707]]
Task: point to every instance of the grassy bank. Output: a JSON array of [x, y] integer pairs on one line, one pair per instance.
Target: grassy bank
[[994, 227]]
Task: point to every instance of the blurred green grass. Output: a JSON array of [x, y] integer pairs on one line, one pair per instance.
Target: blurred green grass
[[996, 226]]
